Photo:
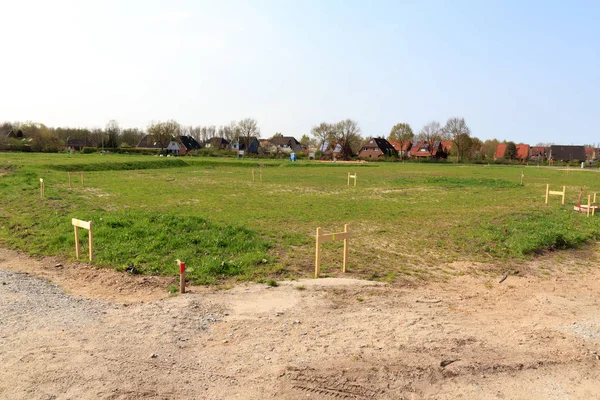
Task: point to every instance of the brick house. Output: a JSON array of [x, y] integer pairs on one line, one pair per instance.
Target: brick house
[[377, 147]]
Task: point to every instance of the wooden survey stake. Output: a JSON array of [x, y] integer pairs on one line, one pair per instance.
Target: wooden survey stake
[[353, 177], [41, 188], [555, 193], [76, 173], [331, 237], [77, 223], [259, 174], [181, 276]]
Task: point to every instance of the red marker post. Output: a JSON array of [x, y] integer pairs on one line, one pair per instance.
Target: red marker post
[[181, 277]]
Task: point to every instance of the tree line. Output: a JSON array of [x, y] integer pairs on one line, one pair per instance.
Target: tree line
[[345, 134]]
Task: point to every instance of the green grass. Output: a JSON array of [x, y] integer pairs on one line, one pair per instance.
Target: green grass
[[408, 220]]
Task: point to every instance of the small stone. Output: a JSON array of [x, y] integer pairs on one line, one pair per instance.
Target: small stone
[[58, 265], [153, 355], [297, 321], [225, 341]]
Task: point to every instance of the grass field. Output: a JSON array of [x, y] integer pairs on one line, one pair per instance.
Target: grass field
[[408, 220]]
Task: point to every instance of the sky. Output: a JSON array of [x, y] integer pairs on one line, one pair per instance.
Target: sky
[[526, 71]]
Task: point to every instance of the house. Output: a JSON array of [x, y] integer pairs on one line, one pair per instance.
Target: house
[[567, 153], [377, 147], [538, 153], [422, 150], [15, 134], [446, 146], [591, 153], [217, 143], [286, 144], [522, 151], [78, 144], [249, 146], [147, 142], [188, 145], [402, 147]]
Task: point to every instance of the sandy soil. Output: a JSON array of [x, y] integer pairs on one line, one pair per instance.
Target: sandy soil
[[117, 336]]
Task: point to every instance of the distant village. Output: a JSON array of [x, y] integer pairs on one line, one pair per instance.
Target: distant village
[[370, 149]]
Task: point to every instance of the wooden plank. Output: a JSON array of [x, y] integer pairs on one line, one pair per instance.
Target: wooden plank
[[331, 237], [91, 242], [81, 224], [347, 234], [547, 192], [555, 193], [318, 253], [76, 242]]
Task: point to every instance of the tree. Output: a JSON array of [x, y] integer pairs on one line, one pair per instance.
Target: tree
[[347, 134], [163, 132], [458, 131], [247, 129], [131, 136], [113, 131], [511, 151], [305, 140], [430, 134], [401, 132], [488, 149], [322, 133], [276, 135]]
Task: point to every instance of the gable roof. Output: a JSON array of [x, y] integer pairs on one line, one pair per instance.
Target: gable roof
[[284, 141], [535, 151], [522, 151], [189, 143], [567, 153], [147, 143], [401, 146], [383, 145]]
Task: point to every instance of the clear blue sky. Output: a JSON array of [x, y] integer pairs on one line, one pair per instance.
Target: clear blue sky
[[518, 70]]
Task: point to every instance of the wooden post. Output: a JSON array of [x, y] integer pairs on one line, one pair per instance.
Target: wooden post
[[90, 240], [76, 243], [181, 276], [41, 188], [346, 231], [522, 176], [355, 178], [589, 204], [594, 203], [85, 225], [81, 179], [547, 192], [318, 254], [563, 194], [348, 178], [69, 180]]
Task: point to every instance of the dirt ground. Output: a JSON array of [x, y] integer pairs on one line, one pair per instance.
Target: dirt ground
[[76, 332]]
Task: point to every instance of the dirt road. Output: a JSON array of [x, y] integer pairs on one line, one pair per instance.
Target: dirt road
[[116, 336]]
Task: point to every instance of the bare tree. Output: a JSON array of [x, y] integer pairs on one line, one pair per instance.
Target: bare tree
[[401, 132], [247, 129], [113, 133], [348, 137], [131, 136], [430, 134], [322, 133], [458, 131], [163, 132]]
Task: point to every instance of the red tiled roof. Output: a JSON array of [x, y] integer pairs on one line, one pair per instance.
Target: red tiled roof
[[522, 151], [400, 146]]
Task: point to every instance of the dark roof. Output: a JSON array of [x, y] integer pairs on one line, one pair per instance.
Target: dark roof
[[285, 141], [78, 142], [217, 141], [15, 135], [567, 153], [385, 146], [148, 143], [189, 143]]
